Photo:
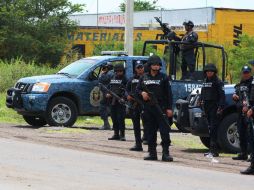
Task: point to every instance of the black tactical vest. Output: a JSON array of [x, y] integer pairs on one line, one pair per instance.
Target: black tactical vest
[[244, 86], [153, 85], [134, 83], [211, 89], [117, 86]]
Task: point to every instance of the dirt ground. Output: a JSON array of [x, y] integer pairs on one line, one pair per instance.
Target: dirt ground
[[186, 149]]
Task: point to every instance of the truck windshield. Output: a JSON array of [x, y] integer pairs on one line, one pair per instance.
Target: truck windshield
[[77, 67]]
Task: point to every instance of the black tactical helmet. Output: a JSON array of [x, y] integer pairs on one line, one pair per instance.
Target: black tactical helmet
[[118, 67], [189, 23], [246, 69], [109, 65], [154, 59], [210, 67]]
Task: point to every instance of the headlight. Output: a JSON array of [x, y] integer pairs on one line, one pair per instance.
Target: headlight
[[41, 87]]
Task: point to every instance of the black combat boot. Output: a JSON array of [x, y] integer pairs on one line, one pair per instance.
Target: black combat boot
[[122, 136], [166, 157], [137, 147], [241, 156], [152, 154], [115, 136], [249, 170]]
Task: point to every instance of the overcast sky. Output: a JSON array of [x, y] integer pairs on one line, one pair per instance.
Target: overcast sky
[[113, 5]]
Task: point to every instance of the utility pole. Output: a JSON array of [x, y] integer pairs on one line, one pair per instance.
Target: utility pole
[[128, 40], [97, 15]]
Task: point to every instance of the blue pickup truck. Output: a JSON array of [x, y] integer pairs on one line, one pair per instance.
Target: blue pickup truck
[[58, 99]]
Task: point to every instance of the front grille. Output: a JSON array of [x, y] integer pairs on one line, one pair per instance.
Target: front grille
[[24, 87]]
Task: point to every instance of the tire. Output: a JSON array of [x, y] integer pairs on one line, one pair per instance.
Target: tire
[[35, 121], [228, 137], [61, 111], [205, 141]]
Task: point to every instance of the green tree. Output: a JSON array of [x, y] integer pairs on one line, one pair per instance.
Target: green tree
[[36, 29], [140, 5], [239, 56]]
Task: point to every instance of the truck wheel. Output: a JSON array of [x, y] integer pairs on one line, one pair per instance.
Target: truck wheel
[[205, 141], [61, 111], [228, 137], [35, 121]]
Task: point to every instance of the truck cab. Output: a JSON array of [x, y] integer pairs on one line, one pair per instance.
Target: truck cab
[[59, 98]]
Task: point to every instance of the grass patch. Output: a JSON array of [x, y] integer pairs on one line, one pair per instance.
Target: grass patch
[[192, 144], [9, 115], [187, 141]]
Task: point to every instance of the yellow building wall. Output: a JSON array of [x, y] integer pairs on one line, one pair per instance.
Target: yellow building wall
[[92, 36], [229, 24]]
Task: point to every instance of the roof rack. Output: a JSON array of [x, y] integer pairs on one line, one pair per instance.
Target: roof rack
[[115, 53]]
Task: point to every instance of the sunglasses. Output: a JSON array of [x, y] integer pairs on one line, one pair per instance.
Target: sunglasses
[[119, 71]]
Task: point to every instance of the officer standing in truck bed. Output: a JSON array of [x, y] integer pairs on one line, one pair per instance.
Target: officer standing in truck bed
[[188, 55], [213, 100]]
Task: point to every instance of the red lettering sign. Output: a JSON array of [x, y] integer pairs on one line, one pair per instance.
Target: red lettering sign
[[112, 19]]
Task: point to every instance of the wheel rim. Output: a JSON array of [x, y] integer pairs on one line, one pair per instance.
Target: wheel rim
[[61, 113], [233, 136]]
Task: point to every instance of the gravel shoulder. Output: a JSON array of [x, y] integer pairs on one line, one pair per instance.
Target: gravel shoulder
[[186, 149]]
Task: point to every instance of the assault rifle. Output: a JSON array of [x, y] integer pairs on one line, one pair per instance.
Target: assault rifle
[[154, 101], [118, 98], [168, 33], [136, 100], [246, 102]]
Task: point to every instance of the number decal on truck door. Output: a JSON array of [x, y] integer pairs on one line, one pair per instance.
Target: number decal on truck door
[[191, 87]]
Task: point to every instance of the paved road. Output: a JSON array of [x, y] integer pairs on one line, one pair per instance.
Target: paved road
[[26, 165]]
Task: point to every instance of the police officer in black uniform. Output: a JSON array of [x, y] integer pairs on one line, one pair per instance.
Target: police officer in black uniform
[[104, 78], [137, 107], [250, 169], [213, 100], [242, 125], [188, 55], [117, 85], [156, 85]]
